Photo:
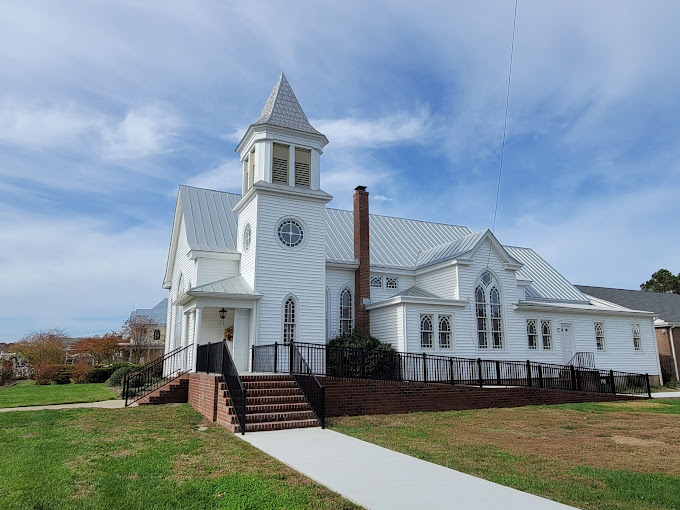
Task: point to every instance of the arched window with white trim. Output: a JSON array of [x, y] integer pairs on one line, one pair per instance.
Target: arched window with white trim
[[444, 332], [289, 320], [489, 312], [426, 331], [345, 311]]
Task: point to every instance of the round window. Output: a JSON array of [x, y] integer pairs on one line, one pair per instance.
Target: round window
[[246, 237], [290, 233]]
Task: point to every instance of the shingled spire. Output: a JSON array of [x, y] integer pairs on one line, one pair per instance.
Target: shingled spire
[[283, 109]]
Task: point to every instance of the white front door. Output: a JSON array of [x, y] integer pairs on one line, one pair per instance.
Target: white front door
[[567, 343]]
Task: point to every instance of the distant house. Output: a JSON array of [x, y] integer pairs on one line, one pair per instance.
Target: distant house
[[666, 307], [148, 341]]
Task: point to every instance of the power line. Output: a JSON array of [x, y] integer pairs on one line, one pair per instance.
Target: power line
[[505, 121]]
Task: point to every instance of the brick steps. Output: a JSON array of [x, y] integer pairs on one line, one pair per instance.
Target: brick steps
[[174, 392], [274, 402]]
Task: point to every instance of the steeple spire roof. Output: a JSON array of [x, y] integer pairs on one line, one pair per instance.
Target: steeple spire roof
[[283, 109]]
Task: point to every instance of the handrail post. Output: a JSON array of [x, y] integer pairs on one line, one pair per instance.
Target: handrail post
[[252, 358], [451, 370], [425, 367], [498, 372], [611, 382], [290, 357], [573, 378], [529, 381], [276, 356], [540, 375], [649, 387], [125, 385], [479, 372]]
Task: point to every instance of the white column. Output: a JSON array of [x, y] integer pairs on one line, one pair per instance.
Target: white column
[[241, 334], [315, 170], [185, 338], [291, 165], [194, 349]]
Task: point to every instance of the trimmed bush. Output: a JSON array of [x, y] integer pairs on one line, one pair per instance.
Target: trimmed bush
[[356, 355], [100, 374], [356, 340], [63, 376], [116, 378]]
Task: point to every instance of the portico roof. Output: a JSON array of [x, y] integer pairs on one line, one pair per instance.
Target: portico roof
[[234, 287]]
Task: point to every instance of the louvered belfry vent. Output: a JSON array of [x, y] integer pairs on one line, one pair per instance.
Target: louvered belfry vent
[[303, 163], [280, 164]]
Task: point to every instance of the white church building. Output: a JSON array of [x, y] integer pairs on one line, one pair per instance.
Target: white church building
[[280, 265]]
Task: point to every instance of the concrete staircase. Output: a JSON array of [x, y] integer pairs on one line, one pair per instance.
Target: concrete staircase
[[274, 402]]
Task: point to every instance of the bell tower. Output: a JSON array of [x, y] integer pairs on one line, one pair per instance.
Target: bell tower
[[281, 221]]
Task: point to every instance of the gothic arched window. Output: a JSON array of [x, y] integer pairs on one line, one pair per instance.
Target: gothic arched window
[[489, 312], [345, 312], [289, 320]]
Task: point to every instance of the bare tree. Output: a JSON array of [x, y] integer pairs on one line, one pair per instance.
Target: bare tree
[[136, 332], [44, 353]]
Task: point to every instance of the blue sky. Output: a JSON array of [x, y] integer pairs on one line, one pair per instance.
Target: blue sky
[[106, 107]]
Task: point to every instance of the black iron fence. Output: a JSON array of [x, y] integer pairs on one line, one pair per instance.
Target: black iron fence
[[155, 374], [215, 358], [309, 384], [400, 366], [583, 360]]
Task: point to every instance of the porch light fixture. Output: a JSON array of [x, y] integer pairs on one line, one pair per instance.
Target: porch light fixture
[[223, 314]]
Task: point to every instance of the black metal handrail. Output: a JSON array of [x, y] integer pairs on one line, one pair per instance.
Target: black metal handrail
[[313, 390], [155, 374], [583, 360], [400, 366], [215, 358]]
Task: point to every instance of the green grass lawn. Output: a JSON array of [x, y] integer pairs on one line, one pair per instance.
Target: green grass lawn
[[148, 457], [27, 393], [609, 456]]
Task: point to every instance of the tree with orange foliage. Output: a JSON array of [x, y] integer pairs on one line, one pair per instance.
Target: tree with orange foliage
[[101, 348], [44, 353]]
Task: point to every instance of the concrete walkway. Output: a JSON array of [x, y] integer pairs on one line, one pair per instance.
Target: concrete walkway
[[378, 478], [105, 404], [666, 394]]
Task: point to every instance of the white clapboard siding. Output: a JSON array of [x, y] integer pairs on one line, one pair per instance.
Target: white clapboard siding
[[386, 325], [211, 325], [441, 282], [336, 281], [248, 216], [299, 271], [211, 270]]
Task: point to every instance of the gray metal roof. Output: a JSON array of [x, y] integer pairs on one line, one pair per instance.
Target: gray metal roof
[[450, 250], [283, 109], [417, 292], [667, 306], [158, 314], [546, 283], [209, 219], [396, 243], [233, 285]]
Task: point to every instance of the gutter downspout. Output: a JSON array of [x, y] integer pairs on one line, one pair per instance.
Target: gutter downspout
[[675, 359]]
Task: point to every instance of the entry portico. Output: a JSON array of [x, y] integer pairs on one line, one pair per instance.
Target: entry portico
[[202, 323]]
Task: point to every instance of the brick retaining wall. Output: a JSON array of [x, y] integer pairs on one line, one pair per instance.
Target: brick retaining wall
[[354, 397], [203, 394]]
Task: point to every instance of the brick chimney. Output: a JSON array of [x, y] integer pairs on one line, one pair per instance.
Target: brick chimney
[[362, 276]]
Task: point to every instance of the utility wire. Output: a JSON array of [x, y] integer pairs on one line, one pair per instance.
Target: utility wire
[[505, 124]]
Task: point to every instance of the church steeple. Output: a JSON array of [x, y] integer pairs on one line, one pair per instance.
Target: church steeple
[[282, 147]]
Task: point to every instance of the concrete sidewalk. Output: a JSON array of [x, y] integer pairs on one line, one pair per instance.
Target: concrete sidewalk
[[105, 404], [666, 394], [378, 478]]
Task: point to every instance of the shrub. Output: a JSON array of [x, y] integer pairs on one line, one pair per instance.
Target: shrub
[[80, 372], [44, 352], [358, 355], [6, 372], [100, 374], [63, 375], [671, 384], [116, 378]]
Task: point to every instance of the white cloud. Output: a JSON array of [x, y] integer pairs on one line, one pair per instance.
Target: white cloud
[[226, 177], [381, 198], [143, 132], [356, 132]]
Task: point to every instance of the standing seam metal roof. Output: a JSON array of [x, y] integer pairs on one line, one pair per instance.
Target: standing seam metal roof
[[396, 243]]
